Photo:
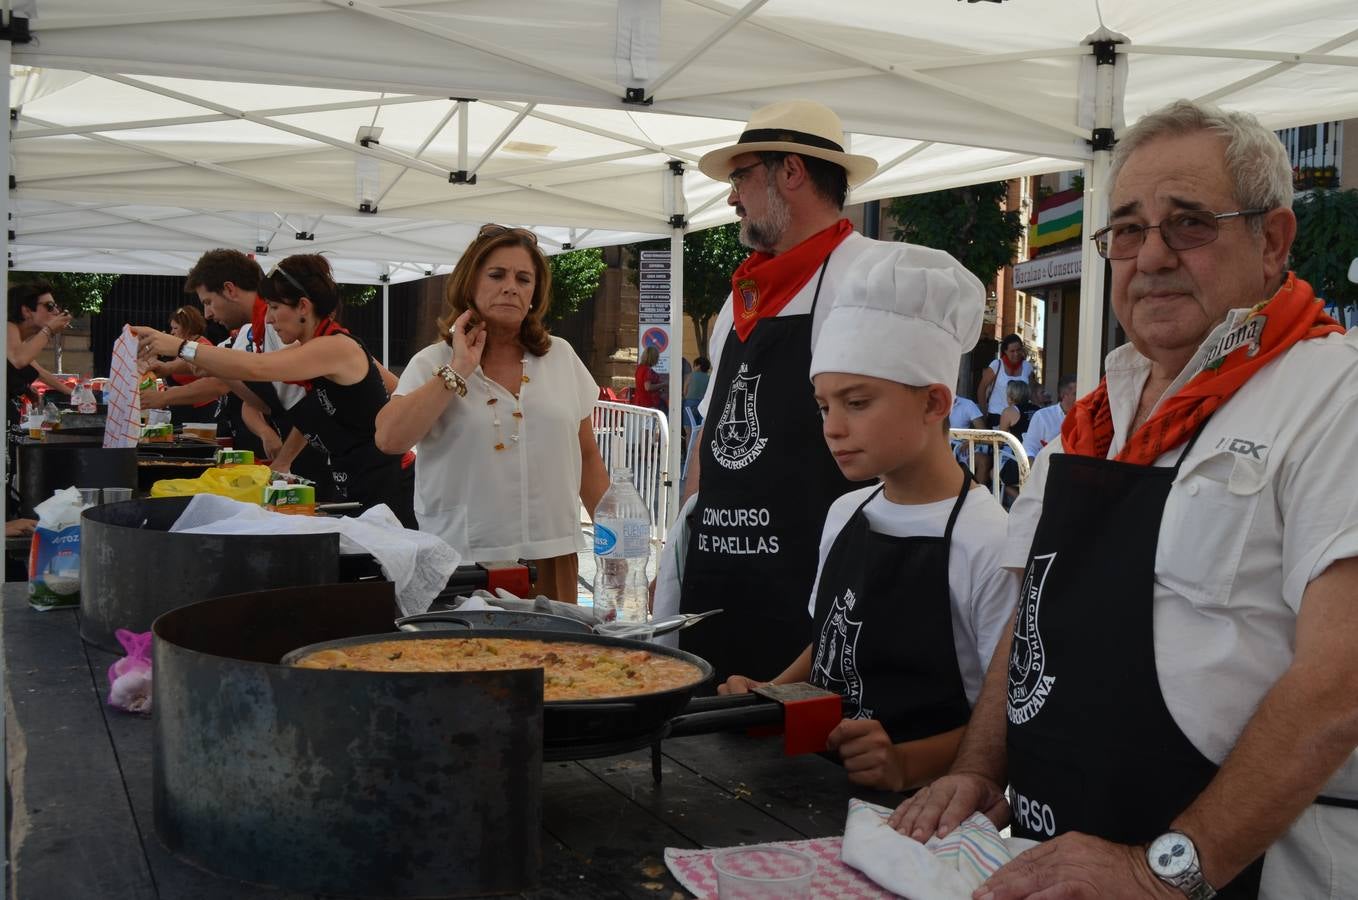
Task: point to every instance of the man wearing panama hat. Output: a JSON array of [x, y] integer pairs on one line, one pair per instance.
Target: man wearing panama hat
[[765, 478]]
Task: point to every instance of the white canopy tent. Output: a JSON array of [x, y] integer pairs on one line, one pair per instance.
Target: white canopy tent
[[249, 115]]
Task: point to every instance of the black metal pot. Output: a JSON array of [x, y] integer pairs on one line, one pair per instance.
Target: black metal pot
[[66, 461], [132, 568], [340, 782], [572, 729]]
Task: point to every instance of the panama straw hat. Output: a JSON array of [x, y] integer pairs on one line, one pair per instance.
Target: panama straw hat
[[793, 126]]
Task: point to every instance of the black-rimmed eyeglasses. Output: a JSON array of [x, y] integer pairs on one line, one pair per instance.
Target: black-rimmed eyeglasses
[[1182, 230]]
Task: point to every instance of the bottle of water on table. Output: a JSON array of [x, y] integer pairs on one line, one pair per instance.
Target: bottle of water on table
[[622, 546]]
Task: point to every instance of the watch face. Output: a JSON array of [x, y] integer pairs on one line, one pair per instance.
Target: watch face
[[1170, 855]]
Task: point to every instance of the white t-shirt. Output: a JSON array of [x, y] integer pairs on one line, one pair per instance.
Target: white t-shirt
[[1261, 506], [520, 502], [983, 592], [849, 253], [964, 412], [288, 394], [999, 396], [1043, 428]]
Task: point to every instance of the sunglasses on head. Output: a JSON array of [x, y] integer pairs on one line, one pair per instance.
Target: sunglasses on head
[[279, 270], [492, 230]]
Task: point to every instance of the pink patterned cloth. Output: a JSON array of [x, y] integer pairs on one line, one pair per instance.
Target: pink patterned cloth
[[832, 881]]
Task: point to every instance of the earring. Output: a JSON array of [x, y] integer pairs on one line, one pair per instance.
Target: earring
[[301, 318]]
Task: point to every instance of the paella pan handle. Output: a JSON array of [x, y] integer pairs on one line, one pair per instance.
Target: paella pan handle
[[413, 623], [704, 715]]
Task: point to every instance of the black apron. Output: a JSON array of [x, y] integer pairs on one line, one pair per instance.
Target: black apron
[[1092, 746], [883, 636], [767, 480]]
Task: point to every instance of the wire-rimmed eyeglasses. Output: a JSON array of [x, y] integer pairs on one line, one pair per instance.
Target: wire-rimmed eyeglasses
[[738, 175], [1183, 230]]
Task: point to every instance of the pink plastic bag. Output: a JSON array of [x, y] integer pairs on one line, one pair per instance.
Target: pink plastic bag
[[130, 677]]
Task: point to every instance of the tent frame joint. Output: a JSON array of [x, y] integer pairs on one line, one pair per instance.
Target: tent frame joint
[[15, 31], [678, 221], [305, 235], [461, 176], [1101, 139], [1105, 53], [637, 97]]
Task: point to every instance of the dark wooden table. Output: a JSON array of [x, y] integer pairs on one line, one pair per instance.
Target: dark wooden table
[[79, 777]]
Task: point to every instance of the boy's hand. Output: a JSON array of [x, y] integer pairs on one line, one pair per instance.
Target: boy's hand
[[738, 684], [868, 754]]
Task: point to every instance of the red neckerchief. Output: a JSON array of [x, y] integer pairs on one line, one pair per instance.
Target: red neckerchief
[[763, 284], [1293, 314], [324, 328], [257, 324], [1011, 371]]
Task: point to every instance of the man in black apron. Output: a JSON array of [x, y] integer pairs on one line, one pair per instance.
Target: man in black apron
[[1166, 454], [883, 634], [765, 477]]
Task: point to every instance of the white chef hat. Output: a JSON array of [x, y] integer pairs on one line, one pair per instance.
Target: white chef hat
[[906, 315]]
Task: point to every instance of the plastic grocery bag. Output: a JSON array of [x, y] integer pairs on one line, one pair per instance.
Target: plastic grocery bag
[[130, 677], [244, 483], [54, 555]]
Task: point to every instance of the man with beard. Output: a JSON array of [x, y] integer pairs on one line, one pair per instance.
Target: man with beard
[[763, 474]]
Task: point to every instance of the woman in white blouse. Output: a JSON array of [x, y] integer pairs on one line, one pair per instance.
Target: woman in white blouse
[[500, 415]]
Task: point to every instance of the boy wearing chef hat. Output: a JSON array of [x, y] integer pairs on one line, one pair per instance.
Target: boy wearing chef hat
[[910, 597]]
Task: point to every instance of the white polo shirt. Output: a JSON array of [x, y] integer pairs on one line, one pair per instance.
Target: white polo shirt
[[1261, 506], [1043, 428]]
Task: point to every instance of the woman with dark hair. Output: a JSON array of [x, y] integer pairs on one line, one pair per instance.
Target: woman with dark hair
[[34, 321], [345, 387], [1013, 365], [501, 416], [192, 398]]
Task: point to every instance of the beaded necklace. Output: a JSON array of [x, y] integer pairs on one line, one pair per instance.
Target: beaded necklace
[[493, 403]]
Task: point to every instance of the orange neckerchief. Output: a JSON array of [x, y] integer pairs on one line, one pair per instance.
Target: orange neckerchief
[[762, 285], [1293, 314]]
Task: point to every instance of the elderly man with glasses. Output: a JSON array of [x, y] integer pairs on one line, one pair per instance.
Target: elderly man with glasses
[[1176, 712]]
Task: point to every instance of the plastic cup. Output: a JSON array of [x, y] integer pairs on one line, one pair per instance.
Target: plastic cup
[[89, 496], [117, 494], [763, 873]]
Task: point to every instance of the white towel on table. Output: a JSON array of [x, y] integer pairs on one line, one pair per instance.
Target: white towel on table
[[948, 868], [418, 563]]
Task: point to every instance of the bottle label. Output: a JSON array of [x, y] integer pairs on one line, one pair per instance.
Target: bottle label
[[605, 541]]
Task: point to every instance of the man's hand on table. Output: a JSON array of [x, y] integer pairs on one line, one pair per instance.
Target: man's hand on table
[[941, 806], [20, 527], [1077, 866]]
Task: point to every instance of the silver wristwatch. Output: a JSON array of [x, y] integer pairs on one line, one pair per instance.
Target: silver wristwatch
[[188, 351], [1173, 859]]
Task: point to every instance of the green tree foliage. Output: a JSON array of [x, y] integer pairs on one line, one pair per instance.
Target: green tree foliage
[[575, 278], [1327, 242], [79, 292], [966, 222], [357, 294], [710, 256]]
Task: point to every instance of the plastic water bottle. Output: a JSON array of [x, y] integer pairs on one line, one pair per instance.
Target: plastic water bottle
[[622, 547], [82, 398]]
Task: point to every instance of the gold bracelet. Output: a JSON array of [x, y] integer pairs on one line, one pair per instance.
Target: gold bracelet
[[452, 380]]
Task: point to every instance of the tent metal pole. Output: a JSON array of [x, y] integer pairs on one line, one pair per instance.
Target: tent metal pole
[[678, 225], [6, 51], [1089, 367], [502, 137], [705, 44], [386, 321]]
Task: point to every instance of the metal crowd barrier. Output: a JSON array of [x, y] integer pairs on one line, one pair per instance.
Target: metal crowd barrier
[[638, 438], [968, 438]]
